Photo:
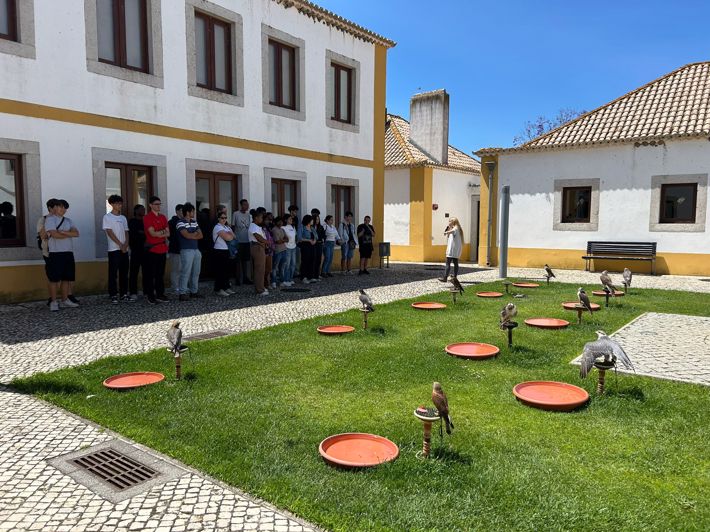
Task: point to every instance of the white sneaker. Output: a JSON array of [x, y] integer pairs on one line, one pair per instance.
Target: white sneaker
[[230, 291], [264, 293], [223, 293], [68, 303], [133, 297], [273, 286], [306, 281], [54, 306]]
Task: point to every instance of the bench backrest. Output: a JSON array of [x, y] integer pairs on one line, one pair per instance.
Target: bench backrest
[[621, 248]]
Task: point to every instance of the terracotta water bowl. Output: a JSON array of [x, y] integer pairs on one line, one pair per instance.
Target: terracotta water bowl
[[357, 449], [526, 285], [547, 323], [602, 293], [474, 350], [335, 329], [572, 305], [428, 305], [489, 294], [551, 395], [126, 381]]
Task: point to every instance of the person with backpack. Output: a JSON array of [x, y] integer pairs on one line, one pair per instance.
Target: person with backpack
[[61, 268], [225, 248]]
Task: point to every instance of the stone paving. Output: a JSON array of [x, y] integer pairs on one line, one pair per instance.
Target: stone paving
[[667, 346], [36, 496]]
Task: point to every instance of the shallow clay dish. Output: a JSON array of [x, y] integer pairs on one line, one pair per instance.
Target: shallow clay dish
[[489, 294], [357, 449], [473, 350], [572, 305], [602, 293], [335, 329], [126, 381], [551, 395], [526, 285], [547, 323], [428, 305]]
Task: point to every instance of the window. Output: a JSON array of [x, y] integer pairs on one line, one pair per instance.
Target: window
[[678, 202], [8, 20], [132, 182], [11, 201], [576, 204], [122, 32], [282, 75], [213, 47], [341, 201], [283, 193], [342, 93], [212, 189]]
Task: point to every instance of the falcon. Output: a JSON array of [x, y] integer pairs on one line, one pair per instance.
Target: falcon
[[442, 405], [507, 314], [606, 348], [627, 278], [549, 273], [175, 339], [366, 301], [606, 283], [457, 285], [584, 299]]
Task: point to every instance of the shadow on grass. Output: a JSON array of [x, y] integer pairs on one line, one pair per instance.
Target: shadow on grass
[[634, 393], [45, 384], [378, 331], [449, 455]]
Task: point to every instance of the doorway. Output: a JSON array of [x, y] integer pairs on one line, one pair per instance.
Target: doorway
[[475, 224]]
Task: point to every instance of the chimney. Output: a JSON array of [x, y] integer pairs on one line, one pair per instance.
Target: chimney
[[429, 124]]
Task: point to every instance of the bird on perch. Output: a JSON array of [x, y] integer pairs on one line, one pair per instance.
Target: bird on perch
[[366, 301], [627, 278], [549, 274], [175, 339], [507, 314], [607, 284], [603, 348], [442, 405], [457, 285], [584, 299]]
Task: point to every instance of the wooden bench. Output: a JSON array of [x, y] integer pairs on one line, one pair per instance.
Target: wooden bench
[[621, 251]]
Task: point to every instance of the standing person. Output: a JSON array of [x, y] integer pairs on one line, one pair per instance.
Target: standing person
[[280, 255], [331, 239], [190, 257], [221, 234], [136, 241], [307, 244], [174, 250], [60, 231], [454, 246], [365, 236], [296, 265], [241, 220], [319, 231], [116, 227], [267, 224], [348, 243], [258, 243], [43, 243], [156, 243], [289, 265]]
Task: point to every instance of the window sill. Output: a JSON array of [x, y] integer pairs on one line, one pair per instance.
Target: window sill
[[559, 226], [215, 96], [673, 227], [125, 74], [284, 112], [16, 253], [342, 126], [17, 48]]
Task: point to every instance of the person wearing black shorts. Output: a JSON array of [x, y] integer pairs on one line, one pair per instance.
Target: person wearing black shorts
[[61, 271], [365, 236]]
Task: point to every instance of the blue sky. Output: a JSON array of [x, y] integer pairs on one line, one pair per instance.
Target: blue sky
[[509, 61]]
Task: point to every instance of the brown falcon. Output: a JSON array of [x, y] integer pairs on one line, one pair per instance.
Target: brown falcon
[[442, 405]]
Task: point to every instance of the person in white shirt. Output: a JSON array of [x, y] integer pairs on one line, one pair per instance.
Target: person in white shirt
[[290, 262], [221, 234], [116, 227], [332, 237], [454, 246], [348, 242], [61, 268], [240, 223], [257, 244]]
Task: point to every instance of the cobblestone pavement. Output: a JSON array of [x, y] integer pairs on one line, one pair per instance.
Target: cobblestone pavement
[[36, 496], [667, 346]]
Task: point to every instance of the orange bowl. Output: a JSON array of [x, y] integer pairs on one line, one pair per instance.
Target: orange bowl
[[551, 395], [428, 305], [357, 449], [489, 294], [526, 285], [126, 381], [335, 329], [572, 305], [547, 323], [602, 293], [472, 350]]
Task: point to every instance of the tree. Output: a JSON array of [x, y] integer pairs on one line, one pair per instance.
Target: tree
[[542, 125]]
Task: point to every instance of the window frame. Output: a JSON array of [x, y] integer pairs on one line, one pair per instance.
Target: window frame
[[127, 184], [662, 219], [21, 239], [210, 21], [278, 69], [338, 190], [564, 204], [12, 22], [214, 178], [280, 196], [337, 67], [119, 37]]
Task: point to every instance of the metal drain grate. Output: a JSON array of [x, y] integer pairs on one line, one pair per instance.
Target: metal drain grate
[[116, 468], [209, 335]]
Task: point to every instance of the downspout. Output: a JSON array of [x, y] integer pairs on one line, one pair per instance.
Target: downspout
[[491, 165]]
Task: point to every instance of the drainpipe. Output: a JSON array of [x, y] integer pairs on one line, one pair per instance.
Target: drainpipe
[[491, 165], [504, 214]]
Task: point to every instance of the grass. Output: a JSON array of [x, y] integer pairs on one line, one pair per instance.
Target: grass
[[256, 406]]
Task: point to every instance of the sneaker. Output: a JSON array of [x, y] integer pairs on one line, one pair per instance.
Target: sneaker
[[273, 286], [73, 299], [264, 293], [161, 299], [442, 279], [133, 297], [247, 281], [127, 299], [306, 281], [366, 272], [114, 300], [184, 297], [54, 306], [68, 303], [151, 301], [222, 293], [361, 272], [49, 301], [229, 291]]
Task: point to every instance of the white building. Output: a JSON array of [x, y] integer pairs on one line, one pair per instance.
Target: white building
[[208, 101], [426, 182], [635, 169]]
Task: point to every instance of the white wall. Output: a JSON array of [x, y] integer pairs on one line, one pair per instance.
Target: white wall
[[397, 207], [625, 174], [451, 192]]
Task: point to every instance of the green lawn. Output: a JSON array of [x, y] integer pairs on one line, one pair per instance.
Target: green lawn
[[258, 404]]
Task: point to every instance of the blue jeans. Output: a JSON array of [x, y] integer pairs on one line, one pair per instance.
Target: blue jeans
[[277, 262], [174, 259], [289, 264], [328, 248], [190, 264]]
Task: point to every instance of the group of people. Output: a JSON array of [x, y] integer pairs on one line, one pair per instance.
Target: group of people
[[254, 247]]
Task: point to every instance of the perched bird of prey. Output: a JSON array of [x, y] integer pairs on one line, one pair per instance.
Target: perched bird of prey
[[549, 273], [507, 314], [584, 299], [627, 278], [175, 339], [442, 405], [606, 348], [366, 301], [457, 285], [606, 283]]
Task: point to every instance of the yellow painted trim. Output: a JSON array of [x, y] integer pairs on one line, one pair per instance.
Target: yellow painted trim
[[33, 110], [483, 224], [378, 145], [28, 282]]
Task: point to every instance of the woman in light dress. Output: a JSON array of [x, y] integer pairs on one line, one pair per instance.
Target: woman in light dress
[[454, 246]]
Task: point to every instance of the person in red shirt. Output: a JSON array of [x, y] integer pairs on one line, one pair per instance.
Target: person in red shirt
[[156, 247]]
